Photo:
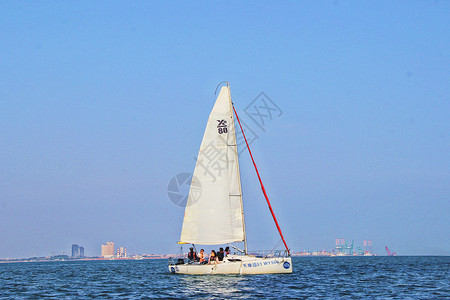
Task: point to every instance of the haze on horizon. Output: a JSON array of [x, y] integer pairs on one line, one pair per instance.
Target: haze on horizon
[[102, 103]]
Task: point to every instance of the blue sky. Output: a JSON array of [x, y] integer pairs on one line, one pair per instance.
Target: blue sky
[[102, 103]]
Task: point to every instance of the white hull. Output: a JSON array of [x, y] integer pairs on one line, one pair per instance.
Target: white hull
[[248, 264]]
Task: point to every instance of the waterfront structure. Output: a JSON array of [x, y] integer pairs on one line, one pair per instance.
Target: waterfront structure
[[108, 250], [75, 250], [389, 253], [344, 248], [121, 252]]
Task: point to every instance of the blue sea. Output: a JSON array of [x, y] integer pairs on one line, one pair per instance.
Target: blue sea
[[313, 277]]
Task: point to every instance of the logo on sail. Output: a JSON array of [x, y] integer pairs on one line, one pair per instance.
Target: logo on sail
[[222, 126]]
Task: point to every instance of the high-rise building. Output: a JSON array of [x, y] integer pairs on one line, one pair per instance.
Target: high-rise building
[[108, 249], [75, 250]]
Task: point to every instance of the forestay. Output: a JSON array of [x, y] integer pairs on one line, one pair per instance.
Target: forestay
[[214, 211]]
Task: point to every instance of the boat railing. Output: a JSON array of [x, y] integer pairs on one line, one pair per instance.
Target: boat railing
[[180, 259], [269, 253], [177, 259]]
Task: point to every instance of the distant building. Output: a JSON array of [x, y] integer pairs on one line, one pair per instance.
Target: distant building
[[75, 250], [108, 249], [59, 257], [121, 252]]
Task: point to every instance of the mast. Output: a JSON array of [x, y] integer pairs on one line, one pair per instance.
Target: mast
[[262, 185], [239, 175]]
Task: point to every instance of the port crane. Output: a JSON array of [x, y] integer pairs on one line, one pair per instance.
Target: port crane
[[389, 253]]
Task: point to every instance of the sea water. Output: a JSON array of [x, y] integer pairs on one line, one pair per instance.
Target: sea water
[[313, 277]]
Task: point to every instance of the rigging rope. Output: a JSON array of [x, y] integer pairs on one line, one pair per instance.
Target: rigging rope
[[275, 246], [262, 185]]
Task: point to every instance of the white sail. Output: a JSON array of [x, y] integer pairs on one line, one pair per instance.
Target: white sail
[[214, 214]]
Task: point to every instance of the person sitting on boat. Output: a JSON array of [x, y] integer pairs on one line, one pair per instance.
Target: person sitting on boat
[[201, 256], [192, 256], [227, 251], [220, 254], [213, 258]]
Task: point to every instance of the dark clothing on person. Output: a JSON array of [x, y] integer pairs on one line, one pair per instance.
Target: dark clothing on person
[[192, 255], [220, 255]]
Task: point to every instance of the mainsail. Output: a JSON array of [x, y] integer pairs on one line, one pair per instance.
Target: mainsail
[[214, 210]]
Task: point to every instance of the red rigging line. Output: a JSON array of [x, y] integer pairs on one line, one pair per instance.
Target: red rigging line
[[262, 185]]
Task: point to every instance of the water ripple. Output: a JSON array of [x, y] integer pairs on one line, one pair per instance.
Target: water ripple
[[313, 277]]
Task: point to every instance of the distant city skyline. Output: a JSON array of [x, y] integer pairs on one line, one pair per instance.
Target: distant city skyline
[[102, 105]]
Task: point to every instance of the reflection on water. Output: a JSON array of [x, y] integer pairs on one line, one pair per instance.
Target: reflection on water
[[215, 285]]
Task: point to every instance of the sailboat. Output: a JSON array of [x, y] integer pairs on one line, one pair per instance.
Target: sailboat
[[214, 213]]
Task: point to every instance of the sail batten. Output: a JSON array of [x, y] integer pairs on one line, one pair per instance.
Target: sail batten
[[214, 212]]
